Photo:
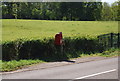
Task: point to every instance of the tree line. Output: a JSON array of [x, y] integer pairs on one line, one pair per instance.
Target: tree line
[[78, 11]]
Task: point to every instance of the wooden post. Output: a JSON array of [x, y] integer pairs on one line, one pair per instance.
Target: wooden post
[[118, 40], [62, 51], [111, 39]]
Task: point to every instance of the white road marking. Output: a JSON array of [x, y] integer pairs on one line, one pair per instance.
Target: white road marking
[[95, 74]]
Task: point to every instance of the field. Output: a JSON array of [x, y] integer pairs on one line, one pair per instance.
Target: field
[[13, 29]]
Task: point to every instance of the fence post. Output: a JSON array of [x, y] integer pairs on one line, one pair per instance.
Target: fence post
[[118, 40], [111, 39]]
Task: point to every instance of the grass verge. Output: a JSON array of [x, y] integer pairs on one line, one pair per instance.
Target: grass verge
[[14, 65], [108, 53]]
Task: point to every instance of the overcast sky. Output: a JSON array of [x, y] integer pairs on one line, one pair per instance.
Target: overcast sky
[[109, 1]]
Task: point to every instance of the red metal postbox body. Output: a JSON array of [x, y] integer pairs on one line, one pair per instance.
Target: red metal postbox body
[[58, 39]]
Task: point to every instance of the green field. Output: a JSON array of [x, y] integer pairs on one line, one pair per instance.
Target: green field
[[13, 29]]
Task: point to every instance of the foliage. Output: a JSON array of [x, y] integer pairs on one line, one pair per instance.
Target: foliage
[[46, 49], [53, 11], [82, 11], [113, 11]]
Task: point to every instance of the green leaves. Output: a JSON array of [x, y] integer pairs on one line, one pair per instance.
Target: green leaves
[[46, 49], [52, 11]]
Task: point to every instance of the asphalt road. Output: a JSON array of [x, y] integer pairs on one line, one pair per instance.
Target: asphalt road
[[102, 69]]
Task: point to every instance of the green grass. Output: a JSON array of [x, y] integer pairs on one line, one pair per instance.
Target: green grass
[[109, 53], [113, 52], [14, 65], [13, 29]]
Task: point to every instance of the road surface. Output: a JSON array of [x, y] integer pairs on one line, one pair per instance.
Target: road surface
[[101, 69]]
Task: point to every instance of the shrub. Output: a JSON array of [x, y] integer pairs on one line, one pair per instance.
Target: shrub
[[46, 50]]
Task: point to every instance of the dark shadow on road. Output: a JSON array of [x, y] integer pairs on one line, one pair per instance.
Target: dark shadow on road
[[69, 61]]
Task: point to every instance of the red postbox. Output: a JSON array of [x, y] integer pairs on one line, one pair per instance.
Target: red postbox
[[58, 39]]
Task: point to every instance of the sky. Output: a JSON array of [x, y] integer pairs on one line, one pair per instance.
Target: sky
[[109, 1]]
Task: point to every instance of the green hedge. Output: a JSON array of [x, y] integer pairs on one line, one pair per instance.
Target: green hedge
[[46, 50]]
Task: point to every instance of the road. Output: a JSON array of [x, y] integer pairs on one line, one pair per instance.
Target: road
[[101, 69]]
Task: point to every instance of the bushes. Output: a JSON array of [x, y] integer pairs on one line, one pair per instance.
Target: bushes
[[10, 50], [46, 50]]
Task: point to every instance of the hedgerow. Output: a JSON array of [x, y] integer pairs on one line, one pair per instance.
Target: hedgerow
[[46, 49]]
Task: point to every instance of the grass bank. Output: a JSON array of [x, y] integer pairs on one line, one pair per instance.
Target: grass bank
[[109, 53], [14, 65]]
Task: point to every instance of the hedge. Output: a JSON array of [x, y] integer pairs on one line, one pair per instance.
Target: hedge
[[46, 50]]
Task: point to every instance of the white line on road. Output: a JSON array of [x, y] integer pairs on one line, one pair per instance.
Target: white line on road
[[95, 74]]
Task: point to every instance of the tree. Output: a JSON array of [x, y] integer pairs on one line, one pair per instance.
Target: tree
[[82, 11], [106, 12], [114, 8], [14, 10]]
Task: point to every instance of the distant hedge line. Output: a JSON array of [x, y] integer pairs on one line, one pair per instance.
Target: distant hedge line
[[46, 50]]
